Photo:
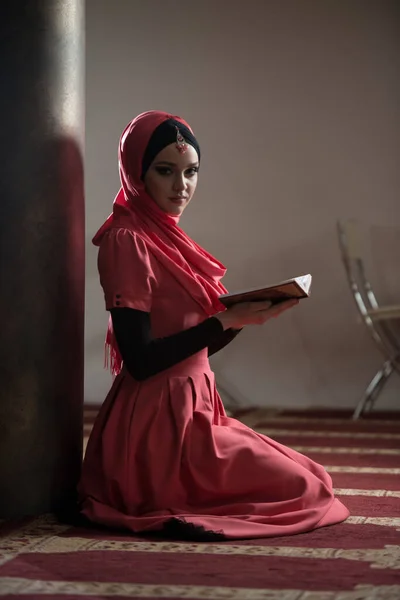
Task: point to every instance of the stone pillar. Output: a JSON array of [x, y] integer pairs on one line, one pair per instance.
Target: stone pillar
[[41, 254]]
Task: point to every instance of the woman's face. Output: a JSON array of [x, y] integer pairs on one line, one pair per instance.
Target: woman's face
[[171, 179]]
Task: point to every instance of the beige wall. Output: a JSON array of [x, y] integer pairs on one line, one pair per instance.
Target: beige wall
[[296, 107]]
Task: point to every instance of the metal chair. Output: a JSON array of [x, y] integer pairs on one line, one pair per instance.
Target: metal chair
[[378, 319]]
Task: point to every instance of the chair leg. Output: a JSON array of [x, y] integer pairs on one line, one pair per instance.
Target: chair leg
[[373, 390]]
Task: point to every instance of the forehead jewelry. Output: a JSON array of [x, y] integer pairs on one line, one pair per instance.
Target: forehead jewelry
[[180, 142]]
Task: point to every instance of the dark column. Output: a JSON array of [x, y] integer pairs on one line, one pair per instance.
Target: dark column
[[41, 254]]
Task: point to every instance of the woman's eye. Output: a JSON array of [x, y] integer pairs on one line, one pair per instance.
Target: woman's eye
[[168, 171], [192, 171], [163, 170]]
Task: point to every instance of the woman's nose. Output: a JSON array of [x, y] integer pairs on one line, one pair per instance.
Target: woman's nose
[[179, 183]]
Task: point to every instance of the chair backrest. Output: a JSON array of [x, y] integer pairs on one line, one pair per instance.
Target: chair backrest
[[352, 247], [353, 250]]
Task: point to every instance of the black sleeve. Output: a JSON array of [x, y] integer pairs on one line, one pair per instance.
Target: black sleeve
[[223, 340], [145, 356]]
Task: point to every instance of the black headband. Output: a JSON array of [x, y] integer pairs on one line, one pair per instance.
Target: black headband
[[164, 135]]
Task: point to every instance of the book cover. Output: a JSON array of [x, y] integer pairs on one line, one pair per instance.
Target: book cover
[[297, 287]]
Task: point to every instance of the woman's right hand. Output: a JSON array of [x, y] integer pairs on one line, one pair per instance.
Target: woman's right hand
[[252, 313]]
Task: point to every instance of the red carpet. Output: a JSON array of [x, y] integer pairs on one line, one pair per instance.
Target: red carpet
[[356, 560]]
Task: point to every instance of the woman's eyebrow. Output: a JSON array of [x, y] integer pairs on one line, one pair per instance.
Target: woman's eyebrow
[[172, 164]]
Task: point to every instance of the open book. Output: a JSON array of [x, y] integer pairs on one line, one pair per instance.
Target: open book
[[298, 287]]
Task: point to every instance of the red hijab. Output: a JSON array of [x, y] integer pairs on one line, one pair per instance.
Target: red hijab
[[192, 266]]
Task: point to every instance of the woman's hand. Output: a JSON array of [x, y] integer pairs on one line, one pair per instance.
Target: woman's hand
[[252, 313]]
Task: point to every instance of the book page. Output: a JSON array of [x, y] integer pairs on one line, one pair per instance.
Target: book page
[[304, 282]]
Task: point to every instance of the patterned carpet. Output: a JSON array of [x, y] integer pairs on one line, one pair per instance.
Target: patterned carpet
[[356, 560]]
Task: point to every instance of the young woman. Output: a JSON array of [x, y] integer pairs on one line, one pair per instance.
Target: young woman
[[163, 456]]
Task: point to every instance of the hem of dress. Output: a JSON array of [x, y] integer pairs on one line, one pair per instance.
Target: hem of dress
[[181, 529]]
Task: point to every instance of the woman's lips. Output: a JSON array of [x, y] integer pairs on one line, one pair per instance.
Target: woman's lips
[[178, 199]]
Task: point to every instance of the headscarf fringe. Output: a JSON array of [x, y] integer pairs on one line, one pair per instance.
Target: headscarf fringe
[[112, 356]]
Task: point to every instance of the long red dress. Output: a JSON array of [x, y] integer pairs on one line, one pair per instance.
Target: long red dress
[[164, 448]]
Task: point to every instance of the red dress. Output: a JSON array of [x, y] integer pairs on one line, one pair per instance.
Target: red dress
[[164, 448]]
